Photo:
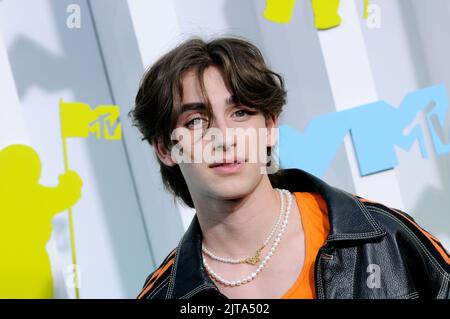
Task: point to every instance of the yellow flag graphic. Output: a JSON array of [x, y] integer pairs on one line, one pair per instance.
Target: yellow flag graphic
[[79, 120]]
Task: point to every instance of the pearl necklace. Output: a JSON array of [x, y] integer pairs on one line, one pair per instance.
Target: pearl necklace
[[261, 265], [256, 258]]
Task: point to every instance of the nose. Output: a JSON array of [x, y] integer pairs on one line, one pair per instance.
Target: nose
[[223, 141], [224, 136]]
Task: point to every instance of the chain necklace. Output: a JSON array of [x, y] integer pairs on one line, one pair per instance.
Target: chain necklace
[[266, 259], [257, 257]]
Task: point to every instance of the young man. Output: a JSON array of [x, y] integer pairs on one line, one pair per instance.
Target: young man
[[259, 234]]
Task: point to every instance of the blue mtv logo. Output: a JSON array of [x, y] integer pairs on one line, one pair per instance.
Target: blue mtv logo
[[374, 129]]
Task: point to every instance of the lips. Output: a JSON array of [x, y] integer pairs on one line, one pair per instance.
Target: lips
[[226, 163]]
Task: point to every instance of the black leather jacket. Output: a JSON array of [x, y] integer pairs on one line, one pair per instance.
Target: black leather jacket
[[372, 251]]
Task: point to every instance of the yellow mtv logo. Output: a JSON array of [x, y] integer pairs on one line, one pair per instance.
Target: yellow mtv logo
[[79, 120]]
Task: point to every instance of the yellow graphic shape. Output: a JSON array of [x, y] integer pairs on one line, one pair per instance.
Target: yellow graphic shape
[[79, 120], [366, 9], [325, 12], [279, 11], [26, 211]]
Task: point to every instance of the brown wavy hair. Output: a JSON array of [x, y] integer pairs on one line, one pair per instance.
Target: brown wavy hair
[[158, 100]]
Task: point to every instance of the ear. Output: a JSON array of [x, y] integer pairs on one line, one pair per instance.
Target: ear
[[163, 153], [272, 129]]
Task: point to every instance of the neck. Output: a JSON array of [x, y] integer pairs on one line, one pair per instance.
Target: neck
[[236, 228]]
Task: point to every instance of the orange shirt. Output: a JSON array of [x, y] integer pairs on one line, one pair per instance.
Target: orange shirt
[[314, 218]]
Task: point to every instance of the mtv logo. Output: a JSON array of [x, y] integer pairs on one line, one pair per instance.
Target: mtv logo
[[375, 129], [107, 122], [79, 120]]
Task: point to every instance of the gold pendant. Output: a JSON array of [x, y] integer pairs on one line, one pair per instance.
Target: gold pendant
[[255, 259]]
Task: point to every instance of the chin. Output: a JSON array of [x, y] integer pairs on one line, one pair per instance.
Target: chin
[[228, 190], [236, 185]]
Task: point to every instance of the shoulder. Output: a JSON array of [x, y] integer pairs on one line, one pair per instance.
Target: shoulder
[[157, 281], [401, 226]]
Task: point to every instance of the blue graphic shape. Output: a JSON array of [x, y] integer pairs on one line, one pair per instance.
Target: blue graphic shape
[[313, 149], [374, 128], [439, 111]]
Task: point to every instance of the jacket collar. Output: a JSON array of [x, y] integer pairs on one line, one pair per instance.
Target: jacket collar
[[349, 221]]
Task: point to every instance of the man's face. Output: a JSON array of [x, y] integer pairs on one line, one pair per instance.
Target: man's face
[[237, 133]]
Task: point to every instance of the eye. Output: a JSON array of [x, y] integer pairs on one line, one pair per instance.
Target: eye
[[196, 122], [241, 113]]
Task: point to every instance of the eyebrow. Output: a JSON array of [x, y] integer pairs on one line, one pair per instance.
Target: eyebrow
[[200, 106]]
